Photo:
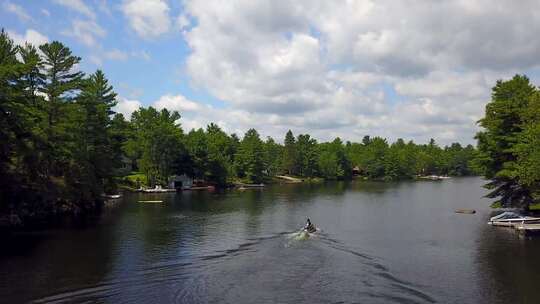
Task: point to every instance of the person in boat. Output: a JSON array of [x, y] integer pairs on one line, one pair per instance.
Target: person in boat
[[309, 227]]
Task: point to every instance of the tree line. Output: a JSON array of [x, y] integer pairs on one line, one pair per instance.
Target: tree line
[[63, 146]]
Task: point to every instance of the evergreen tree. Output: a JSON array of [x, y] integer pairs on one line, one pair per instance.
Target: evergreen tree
[[290, 154], [503, 125], [220, 154], [158, 139], [94, 156], [250, 157], [306, 155], [60, 86], [273, 157]]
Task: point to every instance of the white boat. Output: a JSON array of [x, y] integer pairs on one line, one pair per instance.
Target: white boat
[[509, 218], [111, 196], [158, 189]]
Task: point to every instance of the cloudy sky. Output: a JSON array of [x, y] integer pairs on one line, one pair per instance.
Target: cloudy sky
[[411, 69]]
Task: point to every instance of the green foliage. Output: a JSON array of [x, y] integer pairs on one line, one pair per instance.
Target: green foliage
[[56, 154], [508, 145], [250, 157], [333, 161], [306, 156], [289, 154], [157, 139], [63, 145], [273, 157]]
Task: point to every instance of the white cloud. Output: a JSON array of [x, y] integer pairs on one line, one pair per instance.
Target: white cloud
[[177, 103], [148, 18], [116, 54], [18, 10], [86, 32], [416, 69], [182, 22], [45, 12], [141, 55], [78, 6], [31, 36], [126, 106]]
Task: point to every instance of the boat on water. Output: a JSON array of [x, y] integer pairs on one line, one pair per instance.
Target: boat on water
[[111, 196], [158, 189], [509, 218], [194, 188], [261, 185], [432, 177]]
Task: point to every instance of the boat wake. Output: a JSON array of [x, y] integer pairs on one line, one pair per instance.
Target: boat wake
[[259, 270]]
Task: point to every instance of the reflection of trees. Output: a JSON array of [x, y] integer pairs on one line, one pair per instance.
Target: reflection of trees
[[56, 262], [509, 267], [134, 235]]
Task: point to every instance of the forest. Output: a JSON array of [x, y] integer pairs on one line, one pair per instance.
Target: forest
[[63, 146]]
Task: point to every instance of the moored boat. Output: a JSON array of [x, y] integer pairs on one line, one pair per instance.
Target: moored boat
[[111, 196], [509, 218]]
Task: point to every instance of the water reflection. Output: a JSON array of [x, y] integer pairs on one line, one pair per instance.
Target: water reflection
[[381, 243]]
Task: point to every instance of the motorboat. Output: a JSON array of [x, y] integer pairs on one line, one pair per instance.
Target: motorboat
[[111, 196], [509, 218]]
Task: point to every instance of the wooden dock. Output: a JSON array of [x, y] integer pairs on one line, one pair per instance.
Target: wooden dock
[[520, 227], [289, 179], [528, 228]]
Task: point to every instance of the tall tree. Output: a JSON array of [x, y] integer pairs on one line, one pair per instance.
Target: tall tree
[[220, 154], [527, 150], [290, 154], [158, 138], [13, 127], [250, 157], [273, 156], [62, 80], [503, 123], [306, 155], [93, 150]]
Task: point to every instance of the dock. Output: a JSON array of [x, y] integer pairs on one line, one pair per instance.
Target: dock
[[289, 179], [520, 227], [527, 228]]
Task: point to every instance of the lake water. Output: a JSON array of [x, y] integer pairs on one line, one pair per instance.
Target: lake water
[[380, 243]]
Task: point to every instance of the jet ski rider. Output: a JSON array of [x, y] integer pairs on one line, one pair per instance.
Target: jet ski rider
[[309, 227]]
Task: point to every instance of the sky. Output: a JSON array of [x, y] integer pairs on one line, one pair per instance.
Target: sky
[[397, 69]]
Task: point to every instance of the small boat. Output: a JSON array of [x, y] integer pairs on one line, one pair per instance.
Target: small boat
[[261, 185], [150, 201], [195, 188], [509, 218], [111, 196], [158, 189], [431, 177]]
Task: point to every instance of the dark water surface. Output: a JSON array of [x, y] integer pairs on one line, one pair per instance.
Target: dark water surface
[[381, 243]]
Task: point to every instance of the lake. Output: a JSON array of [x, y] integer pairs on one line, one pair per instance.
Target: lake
[[380, 243]]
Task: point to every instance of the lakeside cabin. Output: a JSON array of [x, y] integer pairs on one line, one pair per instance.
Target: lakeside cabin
[[180, 182]]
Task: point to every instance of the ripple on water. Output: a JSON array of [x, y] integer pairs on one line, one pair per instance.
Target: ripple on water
[[260, 270]]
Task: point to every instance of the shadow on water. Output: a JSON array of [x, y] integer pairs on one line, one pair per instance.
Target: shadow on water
[[509, 264]]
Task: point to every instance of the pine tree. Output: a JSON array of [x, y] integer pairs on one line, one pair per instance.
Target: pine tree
[[503, 124], [61, 83], [93, 150], [290, 154]]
